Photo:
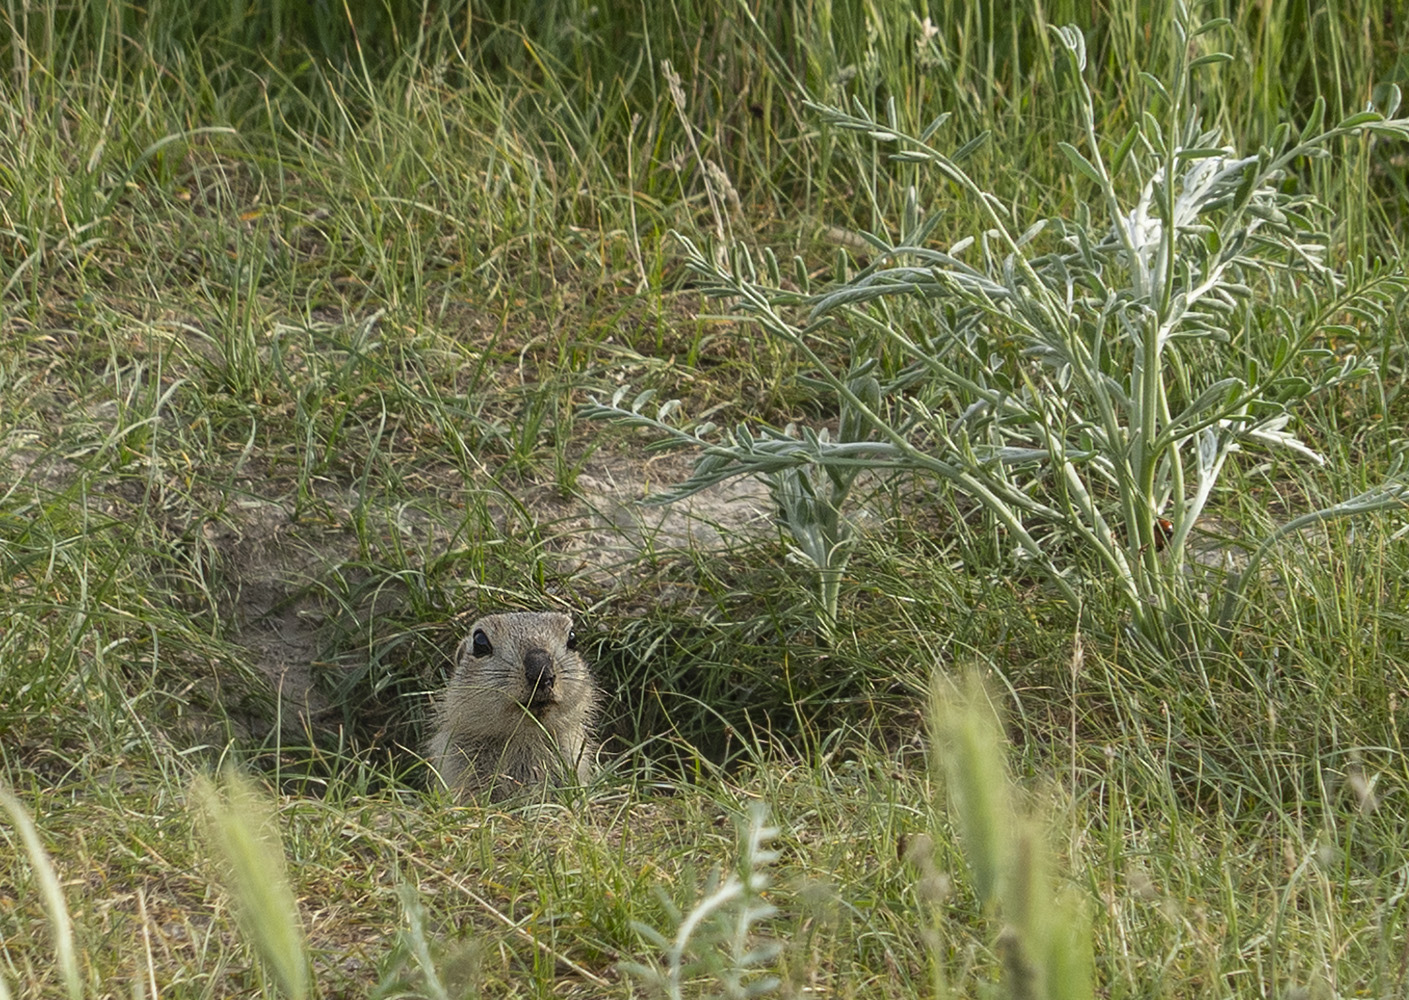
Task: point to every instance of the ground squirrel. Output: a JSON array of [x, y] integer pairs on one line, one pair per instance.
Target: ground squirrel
[[518, 709]]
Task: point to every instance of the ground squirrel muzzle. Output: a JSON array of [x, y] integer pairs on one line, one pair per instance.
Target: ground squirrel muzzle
[[518, 711]]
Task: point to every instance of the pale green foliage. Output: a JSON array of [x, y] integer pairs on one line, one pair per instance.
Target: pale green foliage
[[1081, 379], [1045, 942], [239, 827], [59, 925], [416, 945], [810, 494], [719, 937]]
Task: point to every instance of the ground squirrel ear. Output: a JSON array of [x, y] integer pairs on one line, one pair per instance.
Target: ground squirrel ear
[[480, 644], [572, 639]]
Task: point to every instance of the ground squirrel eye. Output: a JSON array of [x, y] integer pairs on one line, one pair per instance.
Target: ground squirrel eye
[[572, 639], [480, 645]]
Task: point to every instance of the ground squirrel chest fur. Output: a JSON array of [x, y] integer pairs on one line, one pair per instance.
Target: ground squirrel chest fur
[[518, 710]]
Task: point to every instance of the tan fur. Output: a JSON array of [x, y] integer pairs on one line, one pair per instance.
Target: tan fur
[[519, 717]]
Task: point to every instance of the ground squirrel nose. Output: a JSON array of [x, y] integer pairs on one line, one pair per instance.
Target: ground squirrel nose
[[538, 668]]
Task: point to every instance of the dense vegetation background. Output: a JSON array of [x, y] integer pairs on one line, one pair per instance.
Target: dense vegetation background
[[301, 306]]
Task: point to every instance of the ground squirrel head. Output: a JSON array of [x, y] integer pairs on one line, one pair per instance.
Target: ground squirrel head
[[517, 663], [518, 710]]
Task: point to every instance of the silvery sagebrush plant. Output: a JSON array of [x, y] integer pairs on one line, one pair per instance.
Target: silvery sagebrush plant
[[719, 937], [1083, 381], [809, 493]]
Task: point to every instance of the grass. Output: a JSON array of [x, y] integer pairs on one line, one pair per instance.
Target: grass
[[297, 313]]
